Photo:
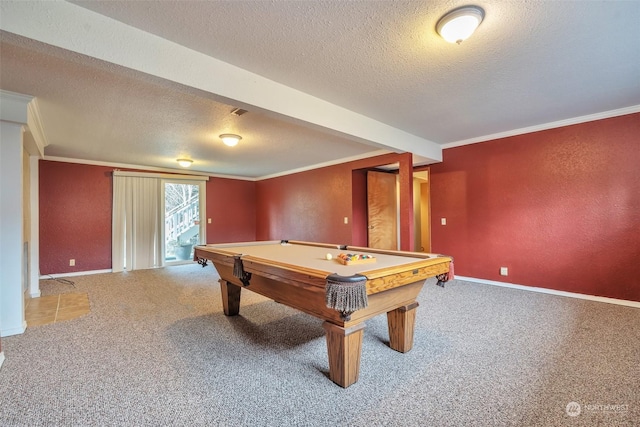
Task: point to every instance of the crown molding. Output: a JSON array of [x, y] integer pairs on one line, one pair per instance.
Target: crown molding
[[196, 173], [552, 125], [34, 121], [325, 164], [13, 107], [143, 168]]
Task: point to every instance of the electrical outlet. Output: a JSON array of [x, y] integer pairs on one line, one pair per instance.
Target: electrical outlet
[[504, 271], [443, 221], [72, 262]]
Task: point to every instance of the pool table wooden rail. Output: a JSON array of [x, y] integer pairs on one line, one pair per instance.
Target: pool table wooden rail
[[378, 280]]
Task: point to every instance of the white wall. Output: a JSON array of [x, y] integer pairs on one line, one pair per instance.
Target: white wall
[[11, 295], [13, 120], [34, 243]]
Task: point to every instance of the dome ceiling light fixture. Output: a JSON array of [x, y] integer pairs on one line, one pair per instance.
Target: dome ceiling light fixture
[[230, 139], [185, 163], [458, 24]]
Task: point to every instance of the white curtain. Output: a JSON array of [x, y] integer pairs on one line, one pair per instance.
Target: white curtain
[[136, 238]]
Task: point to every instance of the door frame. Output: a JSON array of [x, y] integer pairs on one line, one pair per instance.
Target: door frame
[[202, 212]]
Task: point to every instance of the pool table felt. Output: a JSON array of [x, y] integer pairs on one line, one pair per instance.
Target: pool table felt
[[314, 257]]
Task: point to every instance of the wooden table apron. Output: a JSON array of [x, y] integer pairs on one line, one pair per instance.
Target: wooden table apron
[[390, 290]]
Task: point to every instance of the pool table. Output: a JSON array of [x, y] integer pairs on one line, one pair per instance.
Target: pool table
[[300, 275]]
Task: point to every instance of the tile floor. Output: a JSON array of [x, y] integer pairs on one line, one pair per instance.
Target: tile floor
[[56, 308]]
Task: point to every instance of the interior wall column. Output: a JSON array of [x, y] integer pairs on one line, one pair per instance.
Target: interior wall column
[[407, 237], [34, 245], [12, 320], [13, 121]]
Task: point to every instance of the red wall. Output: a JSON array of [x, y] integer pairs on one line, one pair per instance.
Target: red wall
[[75, 217], [232, 208], [307, 206], [560, 208], [311, 205]]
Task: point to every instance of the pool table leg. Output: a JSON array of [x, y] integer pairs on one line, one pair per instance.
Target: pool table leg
[[344, 346], [401, 323], [230, 297]]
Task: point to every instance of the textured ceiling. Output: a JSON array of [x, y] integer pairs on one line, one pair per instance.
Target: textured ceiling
[[97, 111], [529, 63]]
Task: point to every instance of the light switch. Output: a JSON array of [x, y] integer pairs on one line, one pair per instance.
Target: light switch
[[443, 221], [346, 220], [208, 220]]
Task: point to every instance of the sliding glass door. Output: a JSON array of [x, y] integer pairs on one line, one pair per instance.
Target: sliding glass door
[[182, 213]]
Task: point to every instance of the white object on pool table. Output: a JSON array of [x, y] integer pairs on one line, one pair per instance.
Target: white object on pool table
[[328, 256]]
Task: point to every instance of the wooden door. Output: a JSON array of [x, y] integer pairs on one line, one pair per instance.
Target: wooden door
[[382, 212]]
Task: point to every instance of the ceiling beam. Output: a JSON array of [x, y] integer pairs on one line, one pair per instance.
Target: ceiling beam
[[74, 28]]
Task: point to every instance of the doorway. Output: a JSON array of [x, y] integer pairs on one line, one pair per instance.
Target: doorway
[[421, 209], [182, 211], [382, 210]]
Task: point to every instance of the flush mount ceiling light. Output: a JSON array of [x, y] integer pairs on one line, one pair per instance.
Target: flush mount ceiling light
[[185, 163], [230, 139], [460, 23]]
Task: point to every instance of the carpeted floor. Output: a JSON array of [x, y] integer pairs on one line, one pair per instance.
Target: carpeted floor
[[156, 350]]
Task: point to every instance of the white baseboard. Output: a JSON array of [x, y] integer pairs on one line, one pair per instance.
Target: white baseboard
[[34, 294], [634, 304], [1, 358], [14, 331], [76, 273]]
